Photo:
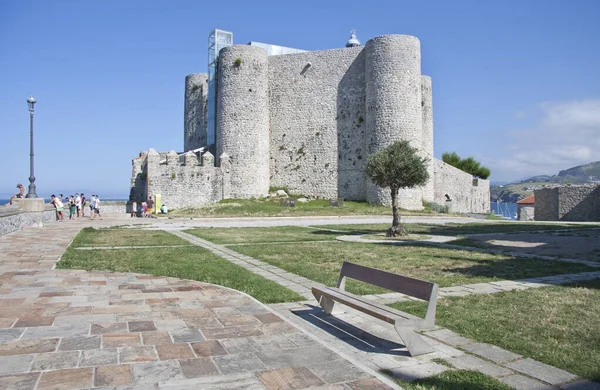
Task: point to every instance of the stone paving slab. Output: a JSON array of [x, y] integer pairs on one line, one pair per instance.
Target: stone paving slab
[[77, 329], [542, 371]]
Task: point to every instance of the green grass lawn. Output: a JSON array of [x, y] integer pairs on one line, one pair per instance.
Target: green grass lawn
[[321, 262], [268, 234], [456, 229], [557, 325], [91, 237], [455, 380], [187, 263], [272, 208]]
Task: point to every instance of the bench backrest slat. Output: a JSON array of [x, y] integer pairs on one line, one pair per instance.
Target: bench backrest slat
[[402, 284]]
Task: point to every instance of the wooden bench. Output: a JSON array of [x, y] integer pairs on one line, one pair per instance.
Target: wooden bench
[[405, 324]]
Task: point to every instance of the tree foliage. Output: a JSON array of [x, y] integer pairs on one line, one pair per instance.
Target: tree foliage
[[395, 167], [469, 165]]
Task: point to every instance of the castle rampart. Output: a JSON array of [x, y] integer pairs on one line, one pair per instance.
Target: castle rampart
[[466, 194], [317, 116], [243, 118], [195, 115], [427, 141], [181, 180]]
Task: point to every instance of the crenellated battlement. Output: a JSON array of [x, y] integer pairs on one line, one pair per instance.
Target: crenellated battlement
[[182, 180]]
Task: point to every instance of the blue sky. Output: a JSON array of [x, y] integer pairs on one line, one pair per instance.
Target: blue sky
[[516, 82]]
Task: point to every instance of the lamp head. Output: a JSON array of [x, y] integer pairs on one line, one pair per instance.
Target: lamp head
[[31, 103]]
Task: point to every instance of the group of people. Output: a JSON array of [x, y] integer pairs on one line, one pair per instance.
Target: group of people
[[75, 205], [146, 208]]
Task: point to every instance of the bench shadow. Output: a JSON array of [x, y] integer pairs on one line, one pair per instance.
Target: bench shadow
[[350, 334]]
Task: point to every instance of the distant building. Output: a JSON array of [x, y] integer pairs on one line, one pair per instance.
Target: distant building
[[526, 209]]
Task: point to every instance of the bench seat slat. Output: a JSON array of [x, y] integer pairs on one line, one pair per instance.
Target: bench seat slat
[[364, 305]]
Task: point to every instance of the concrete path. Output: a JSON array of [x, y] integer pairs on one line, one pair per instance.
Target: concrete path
[[69, 329]]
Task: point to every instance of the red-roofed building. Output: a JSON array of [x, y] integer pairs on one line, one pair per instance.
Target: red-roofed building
[[526, 209]]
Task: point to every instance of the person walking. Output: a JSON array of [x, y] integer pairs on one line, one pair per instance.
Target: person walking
[[78, 204], [97, 206], [83, 203], [133, 209], [92, 206], [150, 204]]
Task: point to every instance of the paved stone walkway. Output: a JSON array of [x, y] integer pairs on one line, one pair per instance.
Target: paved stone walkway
[[70, 329]]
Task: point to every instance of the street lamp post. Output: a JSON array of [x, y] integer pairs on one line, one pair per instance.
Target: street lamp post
[[31, 194]]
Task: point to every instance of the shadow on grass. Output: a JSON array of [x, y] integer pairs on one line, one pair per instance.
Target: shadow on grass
[[350, 334], [449, 380], [579, 244]]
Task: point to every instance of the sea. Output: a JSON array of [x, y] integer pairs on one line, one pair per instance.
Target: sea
[[6, 201], [506, 210]]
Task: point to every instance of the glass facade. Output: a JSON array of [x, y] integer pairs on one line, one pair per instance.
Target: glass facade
[[217, 39]]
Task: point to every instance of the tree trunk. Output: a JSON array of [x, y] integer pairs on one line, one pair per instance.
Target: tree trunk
[[396, 229]]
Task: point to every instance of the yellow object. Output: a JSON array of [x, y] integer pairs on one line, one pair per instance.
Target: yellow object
[[157, 203]]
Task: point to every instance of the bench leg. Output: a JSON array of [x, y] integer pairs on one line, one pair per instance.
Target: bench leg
[[415, 344], [326, 303]]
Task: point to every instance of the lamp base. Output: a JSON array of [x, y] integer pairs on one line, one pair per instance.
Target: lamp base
[[30, 204]]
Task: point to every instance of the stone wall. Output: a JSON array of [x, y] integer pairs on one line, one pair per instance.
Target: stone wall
[[569, 203], [12, 219], [427, 141], [526, 212], [318, 122], [393, 100], [182, 181], [195, 116], [467, 195], [243, 118]]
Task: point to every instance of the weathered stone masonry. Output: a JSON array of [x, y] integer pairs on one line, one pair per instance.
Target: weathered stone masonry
[[309, 121], [570, 203]]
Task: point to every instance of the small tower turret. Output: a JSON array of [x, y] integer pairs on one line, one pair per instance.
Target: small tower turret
[[353, 42]]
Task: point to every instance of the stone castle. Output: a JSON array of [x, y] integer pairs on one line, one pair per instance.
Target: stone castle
[[305, 120]]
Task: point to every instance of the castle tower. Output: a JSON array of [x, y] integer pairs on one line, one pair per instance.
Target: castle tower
[[427, 112], [194, 111], [393, 97], [243, 118]]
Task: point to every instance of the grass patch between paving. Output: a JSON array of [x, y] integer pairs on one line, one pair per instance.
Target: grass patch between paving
[[267, 234], [321, 262], [558, 325], [186, 263], [109, 237], [273, 208], [454, 380], [456, 229]]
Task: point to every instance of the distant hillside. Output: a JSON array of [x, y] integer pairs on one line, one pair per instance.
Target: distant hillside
[[512, 192], [589, 172]]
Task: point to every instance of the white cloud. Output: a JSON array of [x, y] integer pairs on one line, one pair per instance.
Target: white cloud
[[567, 134]]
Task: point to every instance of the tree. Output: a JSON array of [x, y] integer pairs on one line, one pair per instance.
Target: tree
[[469, 165], [395, 167]]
